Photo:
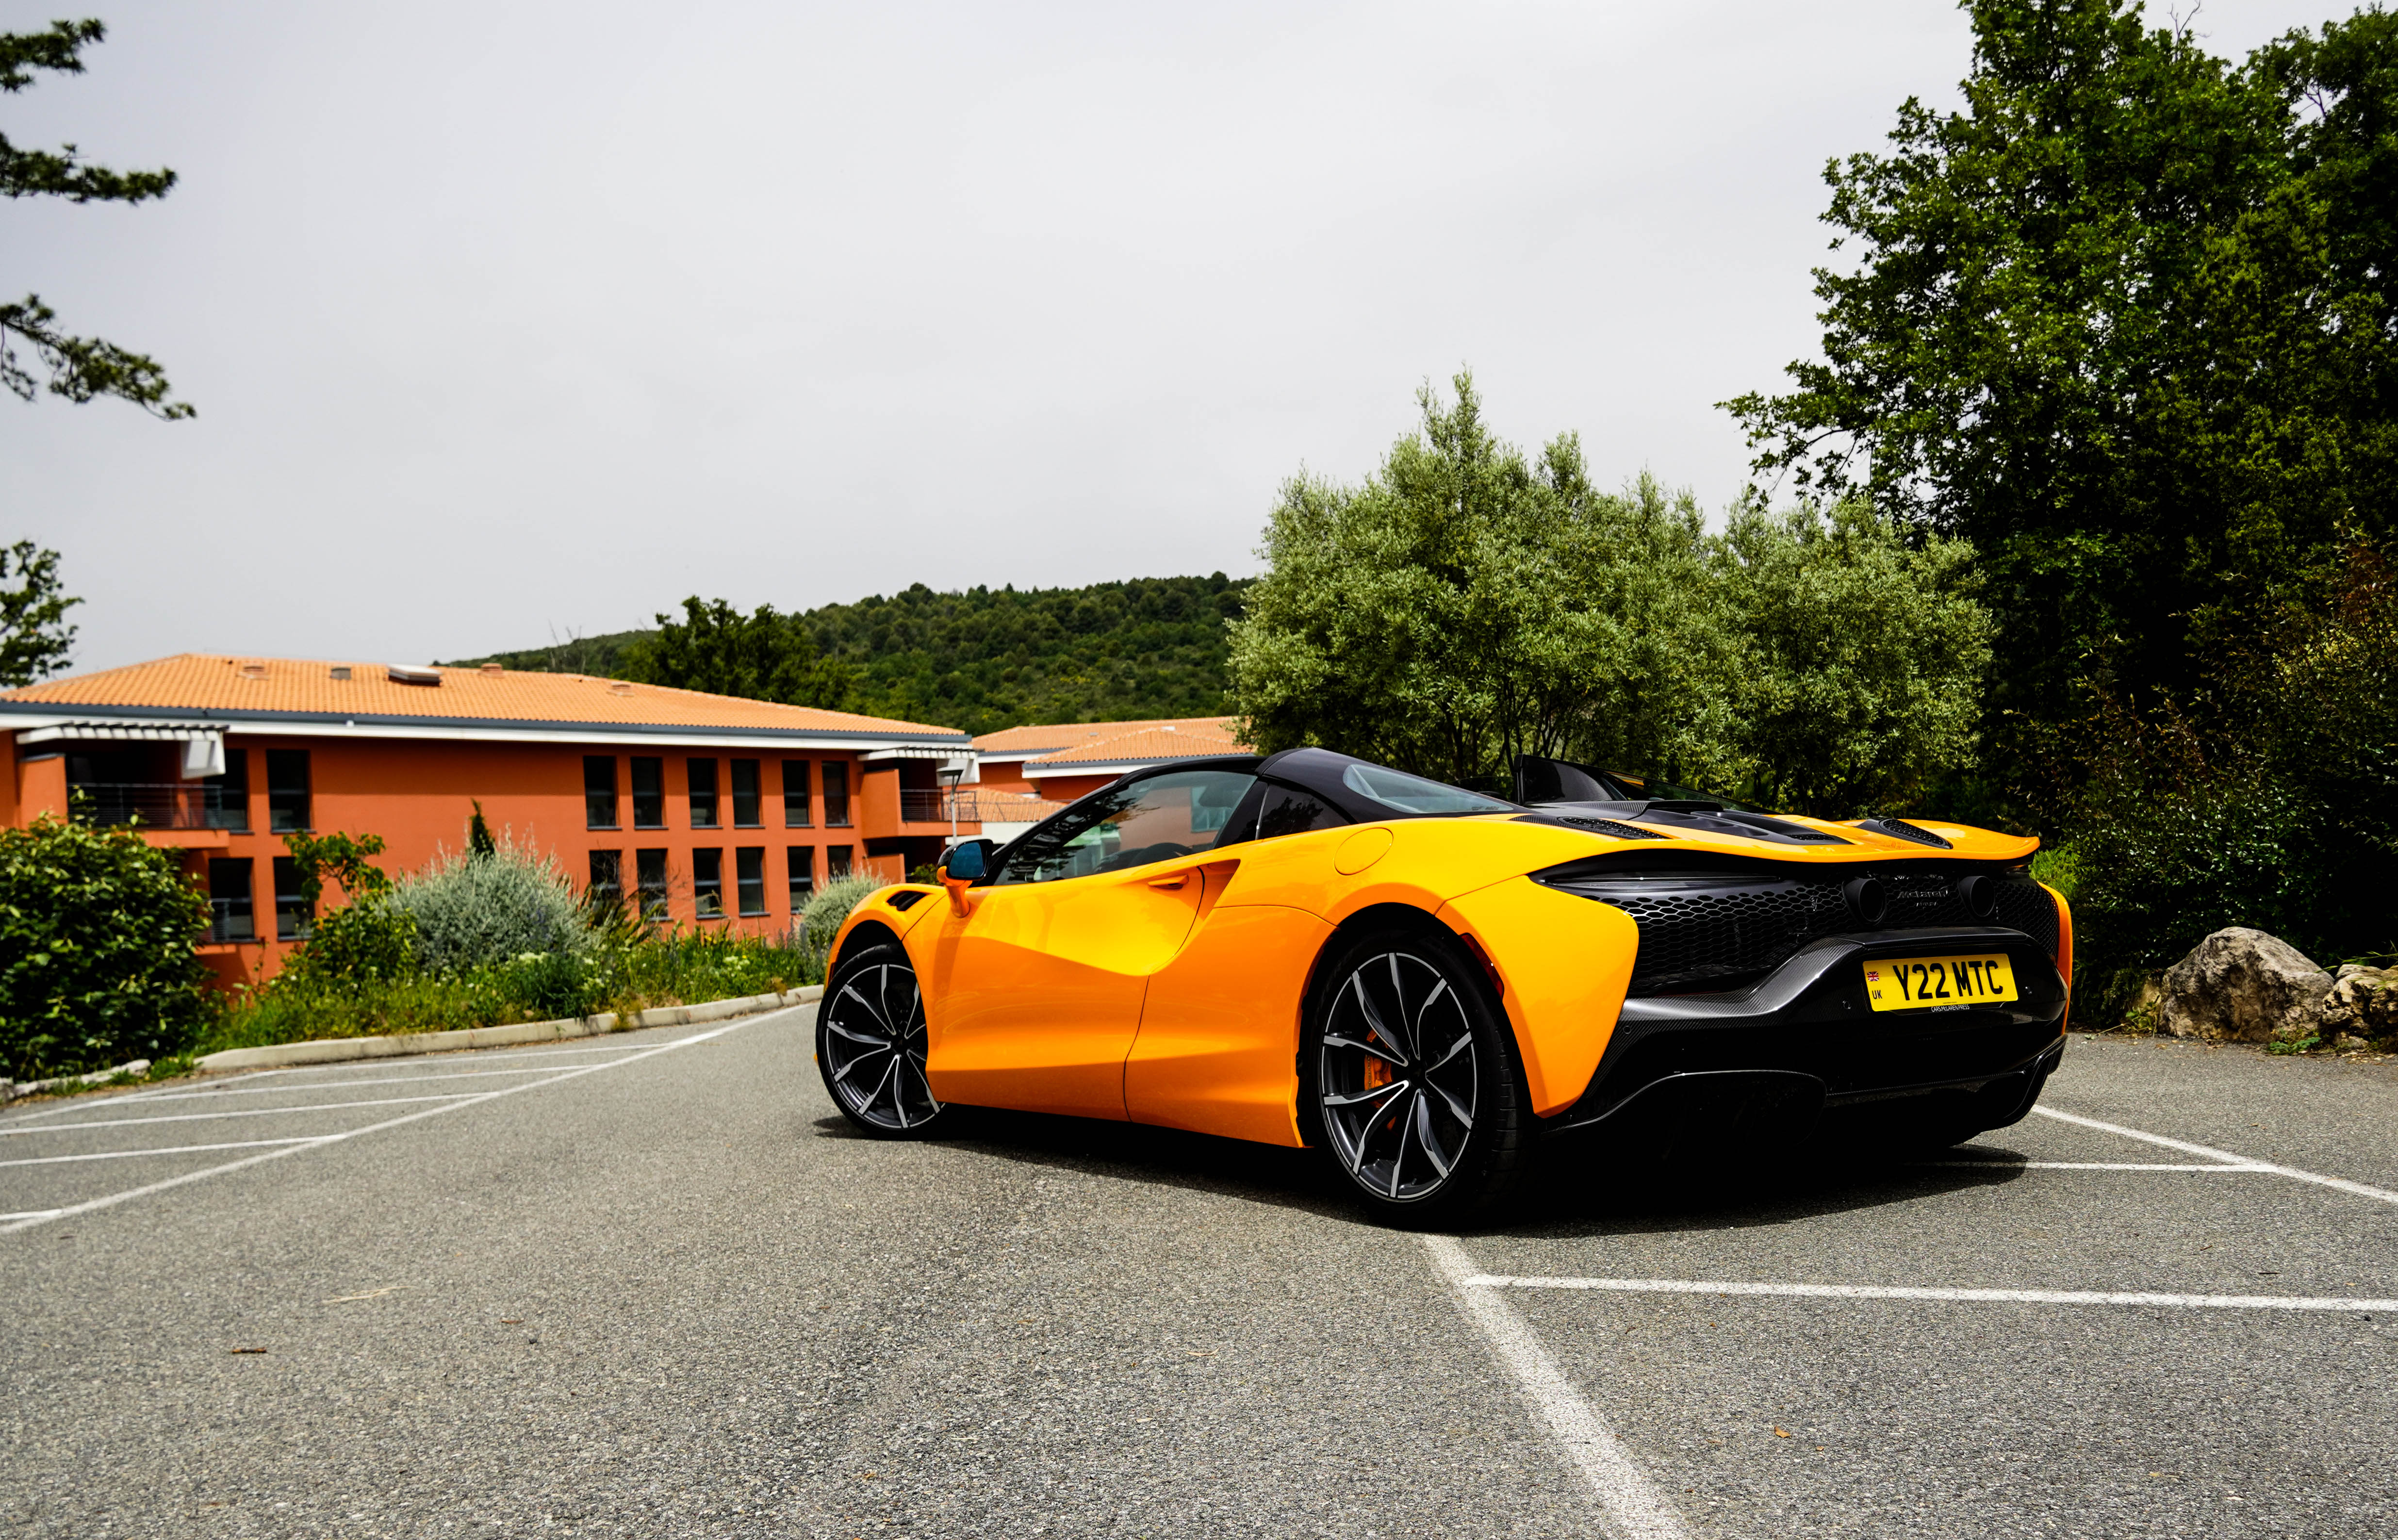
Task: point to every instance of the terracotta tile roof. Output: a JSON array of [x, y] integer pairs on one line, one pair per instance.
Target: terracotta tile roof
[[1055, 736], [207, 682], [1169, 741]]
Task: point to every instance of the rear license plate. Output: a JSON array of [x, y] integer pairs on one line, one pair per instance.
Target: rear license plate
[[1916, 983]]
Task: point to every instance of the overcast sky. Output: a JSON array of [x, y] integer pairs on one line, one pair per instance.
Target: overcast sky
[[510, 319]]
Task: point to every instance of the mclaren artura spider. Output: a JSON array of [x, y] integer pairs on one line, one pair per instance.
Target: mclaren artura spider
[[1425, 982]]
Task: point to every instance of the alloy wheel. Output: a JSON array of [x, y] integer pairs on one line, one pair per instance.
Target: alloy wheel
[[1398, 1076], [874, 1048]]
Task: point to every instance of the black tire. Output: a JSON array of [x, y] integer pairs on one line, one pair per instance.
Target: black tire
[[1409, 1080], [871, 1045]]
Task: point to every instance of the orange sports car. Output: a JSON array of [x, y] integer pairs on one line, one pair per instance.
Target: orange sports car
[[1423, 982]]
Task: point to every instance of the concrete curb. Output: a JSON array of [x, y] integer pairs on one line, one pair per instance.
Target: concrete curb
[[336, 1050]]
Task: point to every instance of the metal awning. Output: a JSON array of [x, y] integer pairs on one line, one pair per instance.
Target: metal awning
[[203, 741]]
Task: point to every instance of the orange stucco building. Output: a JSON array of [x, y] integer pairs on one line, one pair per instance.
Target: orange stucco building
[[711, 810], [1059, 761]]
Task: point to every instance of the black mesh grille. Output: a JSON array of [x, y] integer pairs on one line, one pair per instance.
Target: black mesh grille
[[1608, 826], [1712, 935], [1899, 829]]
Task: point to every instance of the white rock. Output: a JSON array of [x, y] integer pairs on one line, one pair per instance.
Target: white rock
[[2244, 985]]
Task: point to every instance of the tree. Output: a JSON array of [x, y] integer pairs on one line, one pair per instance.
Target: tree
[[1863, 653], [1464, 605], [79, 368], [35, 640], [760, 657], [2123, 322]]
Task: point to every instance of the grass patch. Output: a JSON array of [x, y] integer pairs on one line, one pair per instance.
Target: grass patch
[[662, 969]]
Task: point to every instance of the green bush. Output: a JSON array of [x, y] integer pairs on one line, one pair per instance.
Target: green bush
[[96, 960], [2267, 798], [478, 910], [831, 906]]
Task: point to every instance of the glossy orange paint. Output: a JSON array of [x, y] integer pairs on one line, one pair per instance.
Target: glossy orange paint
[[1170, 994], [1563, 993], [1033, 995]]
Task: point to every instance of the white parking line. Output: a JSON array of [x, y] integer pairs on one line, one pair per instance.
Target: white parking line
[[280, 1087], [2097, 1166], [174, 1149], [33, 1214], [11, 1226], [1976, 1296], [2340, 1183], [238, 1111], [1633, 1507]]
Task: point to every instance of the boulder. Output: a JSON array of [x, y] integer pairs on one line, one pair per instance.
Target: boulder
[[2361, 1002], [2246, 986]]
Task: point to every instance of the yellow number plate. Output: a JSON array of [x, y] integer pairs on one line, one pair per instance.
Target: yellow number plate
[[1914, 983]]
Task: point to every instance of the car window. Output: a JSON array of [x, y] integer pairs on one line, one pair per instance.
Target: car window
[[1405, 793], [1287, 810], [1112, 830]]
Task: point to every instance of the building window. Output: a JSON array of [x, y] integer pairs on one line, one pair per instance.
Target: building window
[[229, 901], [749, 877], [650, 871], [294, 912], [286, 791], [745, 794], [707, 883], [836, 795], [649, 792], [803, 875], [795, 794], [703, 792], [836, 860], [228, 795], [607, 889], [599, 790]]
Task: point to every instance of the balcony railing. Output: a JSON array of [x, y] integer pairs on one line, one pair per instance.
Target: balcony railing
[[159, 805], [971, 804]]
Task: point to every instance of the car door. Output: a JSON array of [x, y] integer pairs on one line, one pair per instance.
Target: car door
[[1035, 992]]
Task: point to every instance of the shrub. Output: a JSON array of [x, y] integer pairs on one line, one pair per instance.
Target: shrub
[[473, 911], [96, 960], [831, 906], [2266, 798]]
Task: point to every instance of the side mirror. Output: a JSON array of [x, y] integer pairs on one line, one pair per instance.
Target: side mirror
[[963, 866]]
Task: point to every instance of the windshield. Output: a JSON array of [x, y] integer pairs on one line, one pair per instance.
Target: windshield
[[1648, 789], [1399, 791]]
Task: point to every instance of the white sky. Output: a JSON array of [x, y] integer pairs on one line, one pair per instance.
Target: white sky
[[507, 318]]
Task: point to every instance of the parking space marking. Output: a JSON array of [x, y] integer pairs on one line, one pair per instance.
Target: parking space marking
[[1633, 1507], [2360, 1189], [33, 1213], [11, 1228], [2100, 1166], [238, 1111], [1970, 1296], [281, 1086], [172, 1149]]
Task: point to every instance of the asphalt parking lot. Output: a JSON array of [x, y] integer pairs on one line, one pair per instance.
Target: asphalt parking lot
[[652, 1286]]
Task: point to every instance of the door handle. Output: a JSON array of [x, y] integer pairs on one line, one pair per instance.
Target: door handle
[[1177, 880]]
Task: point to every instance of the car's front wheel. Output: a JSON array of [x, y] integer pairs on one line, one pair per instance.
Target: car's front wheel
[[1411, 1076], [870, 1045]]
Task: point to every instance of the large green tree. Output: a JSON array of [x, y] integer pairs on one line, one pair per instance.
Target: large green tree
[[765, 657], [1467, 604], [2122, 321], [35, 639], [79, 368]]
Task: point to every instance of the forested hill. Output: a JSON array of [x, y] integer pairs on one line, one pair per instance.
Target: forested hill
[[989, 658]]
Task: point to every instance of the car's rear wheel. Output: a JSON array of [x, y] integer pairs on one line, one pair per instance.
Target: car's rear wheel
[[871, 1045], [1411, 1076]]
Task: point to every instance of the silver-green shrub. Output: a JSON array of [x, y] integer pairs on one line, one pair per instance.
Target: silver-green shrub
[[471, 911], [831, 906]]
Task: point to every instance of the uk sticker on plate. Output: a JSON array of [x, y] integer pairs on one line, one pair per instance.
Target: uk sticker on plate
[[1914, 983]]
